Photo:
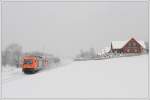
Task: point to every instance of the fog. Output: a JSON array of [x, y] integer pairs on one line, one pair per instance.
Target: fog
[[63, 28]]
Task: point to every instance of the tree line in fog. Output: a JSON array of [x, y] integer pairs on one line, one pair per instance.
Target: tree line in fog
[[12, 55]]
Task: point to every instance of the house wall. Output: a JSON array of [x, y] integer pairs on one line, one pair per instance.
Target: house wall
[[115, 50], [130, 47]]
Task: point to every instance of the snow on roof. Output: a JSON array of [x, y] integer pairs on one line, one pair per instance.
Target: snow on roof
[[105, 50], [142, 43], [120, 44]]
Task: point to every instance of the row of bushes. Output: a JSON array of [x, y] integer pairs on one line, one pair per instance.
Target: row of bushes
[[89, 54], [92, 55]]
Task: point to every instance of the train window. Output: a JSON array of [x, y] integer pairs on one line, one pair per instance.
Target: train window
[[27, 61]]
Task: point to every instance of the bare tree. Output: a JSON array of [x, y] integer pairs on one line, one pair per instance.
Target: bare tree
[[3, 59], [12, 54], [147, 47]]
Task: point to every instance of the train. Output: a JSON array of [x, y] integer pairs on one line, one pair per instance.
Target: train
[[31, 64]]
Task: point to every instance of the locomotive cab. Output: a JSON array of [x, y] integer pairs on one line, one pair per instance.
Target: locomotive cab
[[32, 64], [29, 64]]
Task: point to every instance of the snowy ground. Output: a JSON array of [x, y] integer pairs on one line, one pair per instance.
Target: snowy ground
[[125, 77], [10, 73]]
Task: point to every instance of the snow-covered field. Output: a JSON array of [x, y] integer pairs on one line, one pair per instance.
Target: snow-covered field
[[125, 77], [10, 73]]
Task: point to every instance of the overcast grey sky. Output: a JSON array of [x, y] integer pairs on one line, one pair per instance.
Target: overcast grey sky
[[63, 28]]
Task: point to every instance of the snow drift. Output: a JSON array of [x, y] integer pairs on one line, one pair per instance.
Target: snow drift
[[125, 77]]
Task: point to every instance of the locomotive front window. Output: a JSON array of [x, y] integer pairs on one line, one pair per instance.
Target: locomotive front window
[[27, 61]]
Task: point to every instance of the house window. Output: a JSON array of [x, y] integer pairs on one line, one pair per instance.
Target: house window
[[135, 50], [129, 44], [134, 44], [128, 50]]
